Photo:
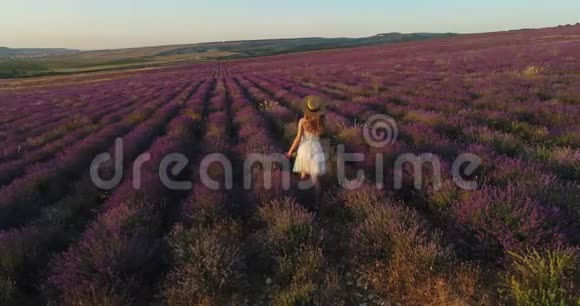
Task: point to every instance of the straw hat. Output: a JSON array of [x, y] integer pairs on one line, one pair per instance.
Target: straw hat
[[313, 106]]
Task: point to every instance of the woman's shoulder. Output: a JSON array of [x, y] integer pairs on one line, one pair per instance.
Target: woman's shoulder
[[301, 121]]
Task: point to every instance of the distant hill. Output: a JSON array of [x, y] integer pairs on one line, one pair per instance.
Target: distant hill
[[37, 62], [23, 52], [251, 48]]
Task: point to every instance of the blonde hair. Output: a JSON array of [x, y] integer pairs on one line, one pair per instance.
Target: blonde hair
[[314, 124]]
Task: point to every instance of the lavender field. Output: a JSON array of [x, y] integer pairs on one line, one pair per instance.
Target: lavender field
[[511, 98]]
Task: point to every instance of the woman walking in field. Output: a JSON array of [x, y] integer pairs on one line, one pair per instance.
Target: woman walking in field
[[310, 160]]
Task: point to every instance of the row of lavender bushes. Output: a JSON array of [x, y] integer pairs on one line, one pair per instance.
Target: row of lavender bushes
[[28, 248], [120, 249], [543, 232]]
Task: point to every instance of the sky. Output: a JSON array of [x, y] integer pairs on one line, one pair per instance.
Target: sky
[[101, 24]]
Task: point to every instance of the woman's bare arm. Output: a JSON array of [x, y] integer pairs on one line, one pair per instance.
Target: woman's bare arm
[[297, 139]]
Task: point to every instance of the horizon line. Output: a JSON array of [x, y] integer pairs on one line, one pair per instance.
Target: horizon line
[[289, 38]]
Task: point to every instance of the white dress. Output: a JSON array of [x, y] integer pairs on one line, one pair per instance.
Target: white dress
[[310, 157]]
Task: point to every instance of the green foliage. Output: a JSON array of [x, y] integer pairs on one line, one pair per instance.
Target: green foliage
[[528, 132], [532, 71], [442, 199], [507, 144], [544, 278], [296, 294]]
